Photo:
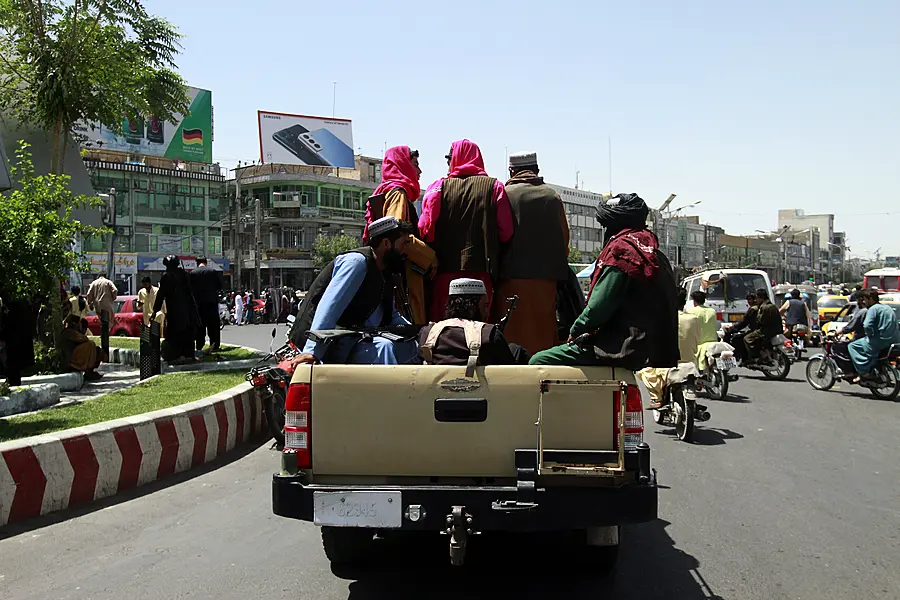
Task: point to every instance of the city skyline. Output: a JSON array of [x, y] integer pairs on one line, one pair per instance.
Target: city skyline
[[748, 109]]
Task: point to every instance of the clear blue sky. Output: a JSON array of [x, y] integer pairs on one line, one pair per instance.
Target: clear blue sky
[[748, 107]]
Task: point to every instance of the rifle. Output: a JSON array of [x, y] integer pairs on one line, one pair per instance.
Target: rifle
[[510, 307]]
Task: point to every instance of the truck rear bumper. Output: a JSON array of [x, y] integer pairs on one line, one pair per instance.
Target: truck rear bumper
[[492, 508]]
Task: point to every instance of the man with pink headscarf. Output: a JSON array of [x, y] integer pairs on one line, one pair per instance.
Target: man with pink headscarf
[[465, 218], [395, 196]]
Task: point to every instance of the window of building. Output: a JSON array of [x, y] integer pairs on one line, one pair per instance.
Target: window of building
[[330, 197], [214, 202]]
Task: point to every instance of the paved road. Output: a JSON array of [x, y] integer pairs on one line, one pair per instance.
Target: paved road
[[787, 494]]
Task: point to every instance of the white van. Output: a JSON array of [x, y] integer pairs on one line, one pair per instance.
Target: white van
[[726, 290]]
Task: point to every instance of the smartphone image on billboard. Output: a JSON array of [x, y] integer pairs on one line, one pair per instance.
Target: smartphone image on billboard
[[155, 131], [289, 139], [328, 146], [133, 130]]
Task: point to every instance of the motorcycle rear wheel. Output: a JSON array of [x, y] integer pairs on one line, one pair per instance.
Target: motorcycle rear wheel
[[782, 368], [683, 416], [888, 372], [820, 373], [718, 388]]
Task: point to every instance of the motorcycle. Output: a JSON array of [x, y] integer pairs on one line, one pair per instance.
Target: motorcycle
[[773, 362], [715, 377], [226, 317], [796, 346], [822, 371], [681, 412], [270, 382]]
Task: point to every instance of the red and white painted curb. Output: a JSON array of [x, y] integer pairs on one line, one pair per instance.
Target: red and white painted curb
[[45, 473]]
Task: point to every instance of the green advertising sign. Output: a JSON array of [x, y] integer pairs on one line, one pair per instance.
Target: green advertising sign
[[187, 138]]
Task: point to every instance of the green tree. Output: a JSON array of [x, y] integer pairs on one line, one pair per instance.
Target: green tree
[[38, 233], [327, 247], [574, 255], [63, 62]]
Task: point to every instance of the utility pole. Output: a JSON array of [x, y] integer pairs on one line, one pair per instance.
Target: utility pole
[[110, 257], [236, 231], [258, 246]]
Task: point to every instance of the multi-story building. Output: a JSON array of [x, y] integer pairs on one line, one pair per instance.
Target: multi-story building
[[681, 238], [162, 207], [746, 252], [297, 204], [796, 220], [585, 233]]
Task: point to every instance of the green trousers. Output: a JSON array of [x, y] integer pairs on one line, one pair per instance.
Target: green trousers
[[565, 355]]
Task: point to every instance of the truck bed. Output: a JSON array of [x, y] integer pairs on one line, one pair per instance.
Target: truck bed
[[415, 421]]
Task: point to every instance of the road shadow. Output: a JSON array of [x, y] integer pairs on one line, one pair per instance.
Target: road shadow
[[13, 529], [737, 399], [705, 436], [530, 566]]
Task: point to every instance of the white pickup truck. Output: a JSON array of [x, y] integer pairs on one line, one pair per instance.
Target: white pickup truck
[[369, 449]]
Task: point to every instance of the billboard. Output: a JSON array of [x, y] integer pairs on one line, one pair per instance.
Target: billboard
[[187, 138], [300, 140]]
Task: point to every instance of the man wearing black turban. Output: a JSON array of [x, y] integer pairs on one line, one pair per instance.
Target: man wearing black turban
[[631, 317]]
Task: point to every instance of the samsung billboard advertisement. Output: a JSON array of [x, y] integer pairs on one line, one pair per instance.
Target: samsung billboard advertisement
[[187, 138], [303, 140]]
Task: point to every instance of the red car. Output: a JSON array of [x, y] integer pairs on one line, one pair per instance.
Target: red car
[[126, 322]]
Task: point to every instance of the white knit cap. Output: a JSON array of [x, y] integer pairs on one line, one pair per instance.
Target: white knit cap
[[382, 226], [467, 287]]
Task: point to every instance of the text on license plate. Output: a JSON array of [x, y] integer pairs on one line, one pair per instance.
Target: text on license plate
[[726, 363], [735, 317], [382, 509]]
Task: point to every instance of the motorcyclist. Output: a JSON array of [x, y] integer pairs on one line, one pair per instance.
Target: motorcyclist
[[748, 322], [768, 325], [795, 312], [708, 327]]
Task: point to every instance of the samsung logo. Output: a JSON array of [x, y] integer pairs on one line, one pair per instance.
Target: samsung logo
[[277, 118]]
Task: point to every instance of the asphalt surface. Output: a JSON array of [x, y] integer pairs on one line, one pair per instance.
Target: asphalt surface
[[787, 493]]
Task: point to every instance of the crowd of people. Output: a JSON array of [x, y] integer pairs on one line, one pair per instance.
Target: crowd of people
[[479, 241]]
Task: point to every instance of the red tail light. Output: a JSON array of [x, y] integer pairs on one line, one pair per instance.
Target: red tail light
[[634, 417], [718, 316], [258, 381], [297, 430]]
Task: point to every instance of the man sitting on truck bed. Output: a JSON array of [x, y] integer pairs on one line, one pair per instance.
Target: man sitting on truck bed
[[351, 292], [463, 336], [631, 317]]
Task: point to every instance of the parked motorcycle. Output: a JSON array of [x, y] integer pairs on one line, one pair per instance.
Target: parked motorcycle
[[822, 371], [270, 382], [773, 361], [681, 412], [715, 377], [226, 317]]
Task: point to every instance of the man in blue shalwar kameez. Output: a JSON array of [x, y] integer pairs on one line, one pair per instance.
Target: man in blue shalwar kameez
[[881, 332], [353, 292]]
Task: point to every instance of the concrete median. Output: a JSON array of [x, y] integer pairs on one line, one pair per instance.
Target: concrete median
[[46, 473]]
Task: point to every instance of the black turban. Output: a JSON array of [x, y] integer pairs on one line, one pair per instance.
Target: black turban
[[623, 211]]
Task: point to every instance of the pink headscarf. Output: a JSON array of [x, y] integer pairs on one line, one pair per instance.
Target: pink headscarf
[[397, 171], [465, 159]]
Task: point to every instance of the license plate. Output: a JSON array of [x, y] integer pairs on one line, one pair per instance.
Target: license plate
[[382, 509], [735, 317], [725, 364]]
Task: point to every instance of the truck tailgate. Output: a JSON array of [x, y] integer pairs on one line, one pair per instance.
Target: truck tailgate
[[416, 420]]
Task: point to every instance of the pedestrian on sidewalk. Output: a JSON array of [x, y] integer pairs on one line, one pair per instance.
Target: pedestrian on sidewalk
[[146, 297], [182, 316], [239, 307], [100, 296], [206, 286]]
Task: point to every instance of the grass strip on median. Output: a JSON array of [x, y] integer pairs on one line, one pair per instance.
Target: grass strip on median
[[225, 352], [164, 391]]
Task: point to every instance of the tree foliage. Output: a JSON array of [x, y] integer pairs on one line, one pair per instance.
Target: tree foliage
[[574, 255], [67, 61], [327, 247], [38, 233]]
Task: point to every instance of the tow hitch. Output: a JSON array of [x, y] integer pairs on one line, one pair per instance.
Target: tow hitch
[[459, 528]]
